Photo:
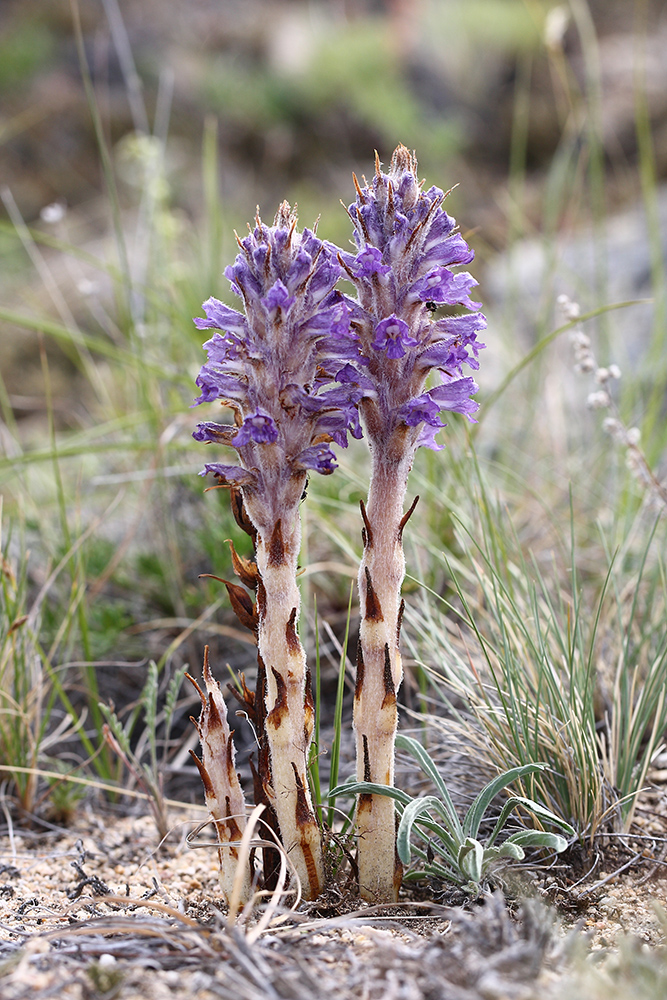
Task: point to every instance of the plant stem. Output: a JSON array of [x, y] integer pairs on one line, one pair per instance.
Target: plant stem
[[290, 713], [379, 668]]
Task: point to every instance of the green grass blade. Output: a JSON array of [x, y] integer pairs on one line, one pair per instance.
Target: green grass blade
[[314, 762], [338, 715]]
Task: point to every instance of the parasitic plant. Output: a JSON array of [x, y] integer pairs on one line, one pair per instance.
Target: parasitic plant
[[274, 366], [402, 271], [222, 789]]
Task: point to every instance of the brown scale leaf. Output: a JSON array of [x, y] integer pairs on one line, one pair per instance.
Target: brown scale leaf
[[279, 711], [389, 689], [242, 605], [399, 621], [203, 774], [245, 569], [277, 545], [293, 642], [358, 687], [245, 697], [373, 608], [240, 513], [366, 531], [406, 517], [367, 759]]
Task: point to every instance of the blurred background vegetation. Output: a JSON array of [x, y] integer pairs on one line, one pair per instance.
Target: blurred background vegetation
[[135, 137]]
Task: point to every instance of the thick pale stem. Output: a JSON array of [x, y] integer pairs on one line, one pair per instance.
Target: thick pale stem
[[379, 673], [289, 719]]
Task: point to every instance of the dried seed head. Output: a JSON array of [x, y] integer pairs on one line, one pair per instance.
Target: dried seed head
[[598, 400]]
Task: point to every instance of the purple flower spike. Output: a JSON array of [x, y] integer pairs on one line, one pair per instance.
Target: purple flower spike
[[407, 249], [275, 366], [275, 363]]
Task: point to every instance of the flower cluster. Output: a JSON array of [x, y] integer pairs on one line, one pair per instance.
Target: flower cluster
[[407, 246], [272, 364]]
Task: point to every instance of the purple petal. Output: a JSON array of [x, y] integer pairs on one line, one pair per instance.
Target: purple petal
[[259, 427], [338, 423], [443, 286], [456, 395], [243, 281], [349, 375], [319, 457], [421, 409], [459, 347], [210, 431], [278, 298], [216, 384], [340, 397], [439, 229], [426, 437], [369, 262], [222, 317], [461, 327], [230, 473], [447, 252], [299, 269], [209, 391], [393, 335], [324, 278]]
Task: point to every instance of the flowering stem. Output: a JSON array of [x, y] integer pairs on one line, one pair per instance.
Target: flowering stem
[[275, 366], [407, 247], [379, 669]]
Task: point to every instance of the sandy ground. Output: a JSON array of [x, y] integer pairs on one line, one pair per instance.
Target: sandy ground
[[100, 911]]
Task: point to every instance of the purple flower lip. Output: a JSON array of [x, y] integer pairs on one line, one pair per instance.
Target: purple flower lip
[[278, 300], [455, 395], [367, 263], [222, 317], [211, 431], [230, 474], [442, 286], [393, 335], [350, 375], [318, 457], [258, 427]]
